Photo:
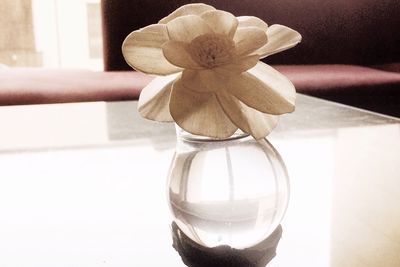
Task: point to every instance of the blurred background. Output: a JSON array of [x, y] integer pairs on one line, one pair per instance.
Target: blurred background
[[51, 34]]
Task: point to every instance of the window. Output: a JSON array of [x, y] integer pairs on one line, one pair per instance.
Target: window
[[51, 33]]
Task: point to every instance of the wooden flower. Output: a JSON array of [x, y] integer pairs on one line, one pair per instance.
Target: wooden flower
[[211, 81]]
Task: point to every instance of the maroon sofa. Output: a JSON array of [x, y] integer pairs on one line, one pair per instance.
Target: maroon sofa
[[350, 52], [21, 86]]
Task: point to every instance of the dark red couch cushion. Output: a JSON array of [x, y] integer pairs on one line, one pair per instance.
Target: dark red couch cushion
[[36, 86], [365, 87]]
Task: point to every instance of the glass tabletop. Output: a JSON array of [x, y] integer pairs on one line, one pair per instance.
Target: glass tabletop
[[84, 184]]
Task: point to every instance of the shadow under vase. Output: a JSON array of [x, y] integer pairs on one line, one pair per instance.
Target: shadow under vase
[[195, 255]]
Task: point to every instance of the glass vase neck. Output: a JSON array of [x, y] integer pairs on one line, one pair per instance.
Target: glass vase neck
[[186, 136]]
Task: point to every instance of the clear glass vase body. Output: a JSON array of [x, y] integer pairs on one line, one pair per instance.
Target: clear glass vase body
[[231, 192]]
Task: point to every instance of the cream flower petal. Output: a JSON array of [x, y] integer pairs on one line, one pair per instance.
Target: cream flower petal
[[280, 38], [221, 22], [237, 65], [276, 80], [203, 80], [177, 53], [249, 39], [199, 113], [154, 98], [250, 21], [264, 89], [142, 50], [186, 28], [189, 9], [246, 118]]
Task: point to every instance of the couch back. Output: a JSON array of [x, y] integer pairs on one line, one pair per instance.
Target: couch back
[[362, 32]]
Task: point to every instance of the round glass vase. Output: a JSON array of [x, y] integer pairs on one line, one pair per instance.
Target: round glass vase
[[231, 191]]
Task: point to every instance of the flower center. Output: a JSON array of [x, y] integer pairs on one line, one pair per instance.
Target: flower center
[[211, 49]]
